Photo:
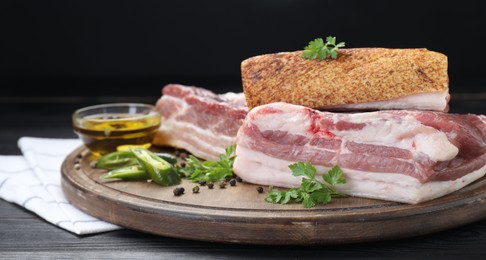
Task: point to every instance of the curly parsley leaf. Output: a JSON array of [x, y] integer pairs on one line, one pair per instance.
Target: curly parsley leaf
[[210, 170], [311, 191], [320, 50]]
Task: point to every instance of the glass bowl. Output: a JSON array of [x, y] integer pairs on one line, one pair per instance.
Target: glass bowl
[[107, 127]]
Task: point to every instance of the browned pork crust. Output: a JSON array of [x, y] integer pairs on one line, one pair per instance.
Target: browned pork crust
[[357, 76]]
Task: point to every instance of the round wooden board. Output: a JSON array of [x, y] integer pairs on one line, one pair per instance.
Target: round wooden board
[[238, 214]]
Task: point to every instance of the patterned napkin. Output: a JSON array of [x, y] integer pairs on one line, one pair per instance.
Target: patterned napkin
[[33, 181]]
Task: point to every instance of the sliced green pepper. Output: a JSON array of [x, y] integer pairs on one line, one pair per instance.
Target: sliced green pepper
[[157, 168], [132, 172], [167, 157], [115, 160]]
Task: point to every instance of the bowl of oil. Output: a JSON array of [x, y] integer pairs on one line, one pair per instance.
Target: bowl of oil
[[107, 128]]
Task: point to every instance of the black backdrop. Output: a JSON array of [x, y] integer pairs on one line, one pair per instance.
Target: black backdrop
[[133, 48]]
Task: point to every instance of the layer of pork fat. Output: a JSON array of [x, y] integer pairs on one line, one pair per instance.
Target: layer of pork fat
[[435, 101]]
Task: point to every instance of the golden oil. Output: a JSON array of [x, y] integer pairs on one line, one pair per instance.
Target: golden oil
[[103, 133]]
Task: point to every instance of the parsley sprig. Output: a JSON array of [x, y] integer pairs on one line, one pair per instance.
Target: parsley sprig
[[210, 170], [320, 50], [311, 191]]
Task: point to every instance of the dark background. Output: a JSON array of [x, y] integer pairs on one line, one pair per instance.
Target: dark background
[[133, 48], [70, 53]]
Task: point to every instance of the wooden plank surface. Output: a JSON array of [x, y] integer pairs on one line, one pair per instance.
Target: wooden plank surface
[[239, 214]]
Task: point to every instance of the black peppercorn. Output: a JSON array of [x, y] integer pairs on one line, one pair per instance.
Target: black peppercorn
[[232, 182], [222, 185], [238, 179], [183, 155], [195, 189], [183, 164], [177, 153], [202, 182], [178, 191], [259, 189], [210, 185]]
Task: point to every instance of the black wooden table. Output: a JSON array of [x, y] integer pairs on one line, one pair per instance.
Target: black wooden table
[[25, 235]]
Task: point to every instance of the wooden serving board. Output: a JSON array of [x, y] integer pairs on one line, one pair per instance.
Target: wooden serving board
[[238, 214]]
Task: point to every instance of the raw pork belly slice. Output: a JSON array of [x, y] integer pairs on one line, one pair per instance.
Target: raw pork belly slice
[[404, 156], [198, 120]]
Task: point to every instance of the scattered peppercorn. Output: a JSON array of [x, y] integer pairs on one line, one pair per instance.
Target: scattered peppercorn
[[202, 182], [195, 189], [210, 185], [227, 178], [177, 153], [259, 189], [79, 156], [183, 164], [183, 155], [238, 179], [179, 191], [232, 182], [222, 185]]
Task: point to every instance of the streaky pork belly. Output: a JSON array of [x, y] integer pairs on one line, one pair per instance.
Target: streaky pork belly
[[396, 155], [198, 120]]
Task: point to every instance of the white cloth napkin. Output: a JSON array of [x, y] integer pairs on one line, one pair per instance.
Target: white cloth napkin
[[33, 181]]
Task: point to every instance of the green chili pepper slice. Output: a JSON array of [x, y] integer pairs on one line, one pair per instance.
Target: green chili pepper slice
[[167, 157], [132, 172], [158, 169], [115, 160]]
